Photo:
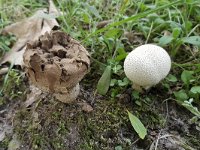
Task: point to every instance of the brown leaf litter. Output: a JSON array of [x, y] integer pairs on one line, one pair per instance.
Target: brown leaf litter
[[34, 94], [134, 37], [103, 23], [27, 30]]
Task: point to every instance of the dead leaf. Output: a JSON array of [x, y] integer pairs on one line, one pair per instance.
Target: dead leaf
[[134, 38], [5, 128], [33, 96], [2, 135], [103, 23], [4, 70], [170, 141], [86, 107], [27, 30], [166, 33]]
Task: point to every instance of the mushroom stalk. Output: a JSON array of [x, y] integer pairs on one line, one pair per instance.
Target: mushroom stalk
[[69, 95]]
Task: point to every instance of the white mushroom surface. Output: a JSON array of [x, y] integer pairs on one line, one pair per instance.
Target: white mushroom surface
[[147, 65]]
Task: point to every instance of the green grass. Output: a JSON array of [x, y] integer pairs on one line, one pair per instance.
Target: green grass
[[12, 11], [174, 25]]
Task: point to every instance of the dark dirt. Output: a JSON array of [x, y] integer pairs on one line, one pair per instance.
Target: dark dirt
[[50, 124]]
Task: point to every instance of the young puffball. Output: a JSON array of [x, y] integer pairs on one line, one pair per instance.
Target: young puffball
[[146, 66]]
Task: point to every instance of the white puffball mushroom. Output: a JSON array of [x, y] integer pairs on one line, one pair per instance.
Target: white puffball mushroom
[[147, 65]]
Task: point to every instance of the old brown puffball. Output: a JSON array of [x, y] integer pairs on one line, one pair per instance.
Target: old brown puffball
[[56, 63]]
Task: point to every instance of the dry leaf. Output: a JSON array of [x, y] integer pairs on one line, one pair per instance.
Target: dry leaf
[[4, 128], [28, 30], [33, 96], [170, 141], [2, 135], [134, 38], [86, 107], [103, 23], [3, 71]]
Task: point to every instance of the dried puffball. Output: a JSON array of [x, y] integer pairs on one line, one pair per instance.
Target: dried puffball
[[57, 63]]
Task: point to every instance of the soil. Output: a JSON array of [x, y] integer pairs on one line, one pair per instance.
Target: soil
[[51, 124]]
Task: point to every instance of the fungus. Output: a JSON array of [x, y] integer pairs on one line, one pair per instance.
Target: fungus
[[56, 63], [147, 65]]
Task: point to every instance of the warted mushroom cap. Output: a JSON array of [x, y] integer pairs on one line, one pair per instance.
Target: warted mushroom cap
[[56, 62]]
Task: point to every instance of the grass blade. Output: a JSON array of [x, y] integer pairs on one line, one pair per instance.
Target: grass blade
[[137, 125], [134, 17], [104, 81]]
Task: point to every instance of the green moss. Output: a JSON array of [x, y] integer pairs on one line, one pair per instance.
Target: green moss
[[58, 124], [51, 124]]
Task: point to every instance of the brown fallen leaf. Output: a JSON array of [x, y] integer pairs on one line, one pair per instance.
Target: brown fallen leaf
[[103, 23], [33, 96], [134, 38], [27, 30], [2, 135], [5, 128], [4, 70], [86, 107], [170, 141]]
